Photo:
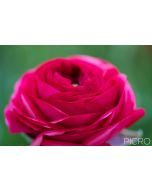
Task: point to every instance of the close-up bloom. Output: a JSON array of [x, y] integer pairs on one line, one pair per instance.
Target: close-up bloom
[[77, 100]]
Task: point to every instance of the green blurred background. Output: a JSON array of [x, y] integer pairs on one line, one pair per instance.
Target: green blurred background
[[135, 61]]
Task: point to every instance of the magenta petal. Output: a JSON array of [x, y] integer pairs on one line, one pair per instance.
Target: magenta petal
[[14, 125], [25, 83], [49, 111], [78, 120], [29, 106], [37, 141], [77, 137], [107, 133], [45, 90], [77, 108], [125, 104], [109, 98], [43, 139]]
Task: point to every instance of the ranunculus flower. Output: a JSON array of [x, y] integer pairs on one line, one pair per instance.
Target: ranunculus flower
[[78, 100]]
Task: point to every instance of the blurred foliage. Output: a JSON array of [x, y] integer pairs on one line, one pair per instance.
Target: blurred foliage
[[135, 61]]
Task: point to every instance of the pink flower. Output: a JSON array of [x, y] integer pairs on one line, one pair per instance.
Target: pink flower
[[78, 100]]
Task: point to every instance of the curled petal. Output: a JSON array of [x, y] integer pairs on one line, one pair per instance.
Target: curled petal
[[49, 110], [106, 133]]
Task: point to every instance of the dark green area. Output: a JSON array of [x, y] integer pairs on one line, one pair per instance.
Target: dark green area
[[135, 61]]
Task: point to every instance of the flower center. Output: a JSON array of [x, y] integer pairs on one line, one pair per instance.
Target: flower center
[[75, 74], [75, 84], [71, 72]]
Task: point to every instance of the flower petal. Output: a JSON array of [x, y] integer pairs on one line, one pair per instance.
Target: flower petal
[[106, 133]]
